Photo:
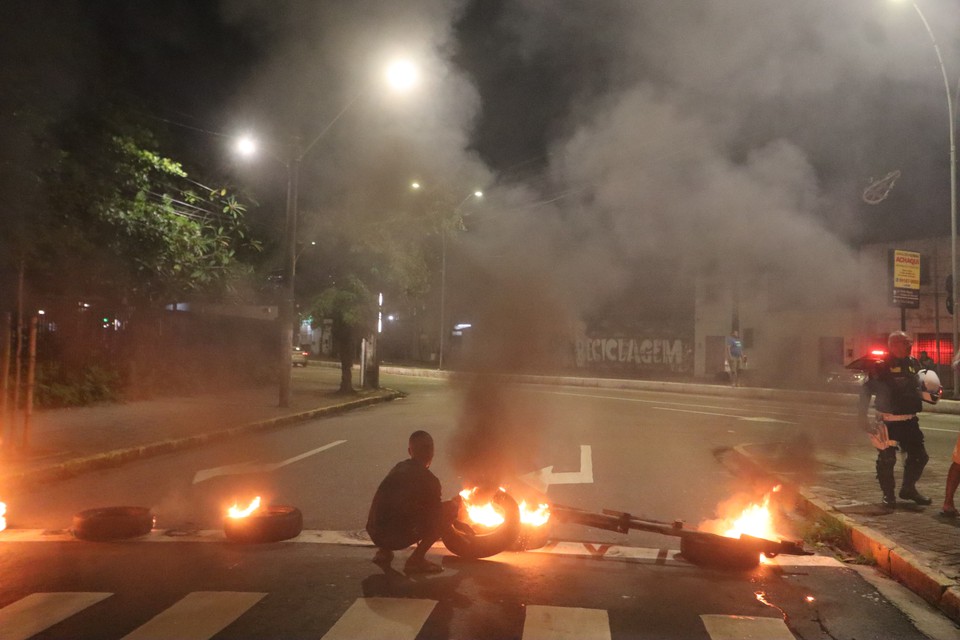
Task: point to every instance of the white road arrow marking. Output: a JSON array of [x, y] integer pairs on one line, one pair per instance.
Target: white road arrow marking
[[543, 478], [257, 467]]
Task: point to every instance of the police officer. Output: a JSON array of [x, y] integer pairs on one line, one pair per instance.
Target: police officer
[[896, 383]]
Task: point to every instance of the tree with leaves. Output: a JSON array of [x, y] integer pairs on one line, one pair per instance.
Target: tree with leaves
[[353, 310]]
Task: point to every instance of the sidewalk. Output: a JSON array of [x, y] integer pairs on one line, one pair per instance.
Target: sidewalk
[[66, 442], [911, 543]]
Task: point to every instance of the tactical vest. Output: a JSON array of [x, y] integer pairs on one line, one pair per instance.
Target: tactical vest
[[898, 391]]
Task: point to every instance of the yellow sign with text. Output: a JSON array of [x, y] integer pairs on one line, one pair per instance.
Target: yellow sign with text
[[905, 272], [906, 269]]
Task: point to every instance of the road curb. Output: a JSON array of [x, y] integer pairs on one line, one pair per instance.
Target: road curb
[[933, 586], [117, 457]]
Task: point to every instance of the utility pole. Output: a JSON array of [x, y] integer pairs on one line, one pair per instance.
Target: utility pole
[[287, 309]]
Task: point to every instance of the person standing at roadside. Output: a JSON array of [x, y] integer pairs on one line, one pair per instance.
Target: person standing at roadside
[[895, 381], [949, 509], [734, 354]]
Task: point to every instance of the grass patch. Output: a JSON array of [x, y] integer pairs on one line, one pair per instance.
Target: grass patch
[[827, 532]]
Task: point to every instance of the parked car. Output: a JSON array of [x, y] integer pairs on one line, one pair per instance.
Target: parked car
[[299, 357], [851, 377]]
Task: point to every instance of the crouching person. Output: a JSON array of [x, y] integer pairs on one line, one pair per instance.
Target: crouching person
[[407, 509]]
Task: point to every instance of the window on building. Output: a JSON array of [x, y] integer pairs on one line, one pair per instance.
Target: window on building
[[928, 342]]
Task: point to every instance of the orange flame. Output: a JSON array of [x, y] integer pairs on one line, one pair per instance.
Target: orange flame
[[755, 520], [3, 512], [534, 517], [236, 512], [483, 514], [487, 515]]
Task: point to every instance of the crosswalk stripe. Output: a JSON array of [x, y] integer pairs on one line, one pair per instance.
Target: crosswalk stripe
[[198, 616], [382, 619], [565, 623], [746, 628], [34, 613]]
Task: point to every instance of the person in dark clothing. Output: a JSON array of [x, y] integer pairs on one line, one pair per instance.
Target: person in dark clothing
[[895, 382], [407, 509]]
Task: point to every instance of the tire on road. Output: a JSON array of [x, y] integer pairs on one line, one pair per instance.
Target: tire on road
[[484, 545], [112, 523], [270, 524]]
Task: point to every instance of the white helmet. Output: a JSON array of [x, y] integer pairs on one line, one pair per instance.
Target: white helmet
[[930, 387]]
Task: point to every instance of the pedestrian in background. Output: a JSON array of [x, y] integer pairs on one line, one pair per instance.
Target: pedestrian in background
[[926, 361], [734, 354], [895, 381]]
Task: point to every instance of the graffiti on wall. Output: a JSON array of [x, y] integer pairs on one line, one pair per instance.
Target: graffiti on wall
[[640, 353]]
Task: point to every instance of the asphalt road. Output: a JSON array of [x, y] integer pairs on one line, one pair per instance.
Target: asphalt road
[[653, 454]]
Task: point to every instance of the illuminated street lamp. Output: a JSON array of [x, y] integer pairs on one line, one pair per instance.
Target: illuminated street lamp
[[401, 75], [246, 146], [953, 190]]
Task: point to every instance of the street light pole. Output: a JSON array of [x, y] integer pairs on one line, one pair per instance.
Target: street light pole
[[443, 270], [287, 310], [401, 75], [443, 292], [953, 192]]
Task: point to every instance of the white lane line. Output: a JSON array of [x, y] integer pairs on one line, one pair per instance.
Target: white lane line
[[726, 415], [807, 410], [29, 616], [936, 429], [805, 561], [610, 551], [257, 467], [382, 619], [198, 616], [565, 623], [746, 628]]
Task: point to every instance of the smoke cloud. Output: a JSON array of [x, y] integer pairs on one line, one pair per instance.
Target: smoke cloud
[[726, 140]]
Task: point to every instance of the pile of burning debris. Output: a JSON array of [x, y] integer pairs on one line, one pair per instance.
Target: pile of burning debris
[[491, 521]]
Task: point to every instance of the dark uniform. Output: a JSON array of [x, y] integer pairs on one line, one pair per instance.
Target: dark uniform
[[406, 507], [896, 384]]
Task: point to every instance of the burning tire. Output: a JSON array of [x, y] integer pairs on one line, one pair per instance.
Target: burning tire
[[269, 524], [112, 523], [719, 552], [461, 539]]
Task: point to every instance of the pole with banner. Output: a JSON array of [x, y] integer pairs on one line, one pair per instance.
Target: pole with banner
[[905, 281]]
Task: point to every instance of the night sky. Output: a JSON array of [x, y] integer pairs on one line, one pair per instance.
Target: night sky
[[618, 141]]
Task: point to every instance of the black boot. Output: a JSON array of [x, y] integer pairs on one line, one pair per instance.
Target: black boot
[[911, 493], [912, 470], [886, 460]]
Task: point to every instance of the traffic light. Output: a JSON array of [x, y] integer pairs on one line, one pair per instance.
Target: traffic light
[[950, 294]]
